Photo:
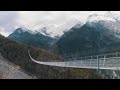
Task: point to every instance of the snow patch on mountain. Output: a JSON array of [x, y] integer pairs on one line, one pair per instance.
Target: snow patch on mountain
[[112, 15], [108, 16], [43, 31], [30, 31], [96, 18]]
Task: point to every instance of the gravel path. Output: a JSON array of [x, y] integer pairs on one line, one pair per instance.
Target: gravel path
[[10, 71]]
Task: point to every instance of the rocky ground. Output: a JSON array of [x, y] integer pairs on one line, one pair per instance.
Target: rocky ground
[[10, 71]]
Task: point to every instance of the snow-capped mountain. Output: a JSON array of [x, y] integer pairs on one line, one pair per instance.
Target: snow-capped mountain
[[108, 17], [42, 31], [100, 33], [108, 20], [36, 39]]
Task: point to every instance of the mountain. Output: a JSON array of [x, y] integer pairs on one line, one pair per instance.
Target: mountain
[[36, 39], [100, 34]]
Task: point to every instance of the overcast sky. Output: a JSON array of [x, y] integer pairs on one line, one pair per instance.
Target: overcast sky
[[9, 20]]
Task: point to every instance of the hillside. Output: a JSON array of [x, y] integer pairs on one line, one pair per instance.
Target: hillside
[[10, 71], [18, 54]]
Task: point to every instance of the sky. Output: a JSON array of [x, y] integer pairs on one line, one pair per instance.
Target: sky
[[10, 20]]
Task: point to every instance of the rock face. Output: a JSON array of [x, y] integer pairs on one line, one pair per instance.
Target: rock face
[[10, 71]]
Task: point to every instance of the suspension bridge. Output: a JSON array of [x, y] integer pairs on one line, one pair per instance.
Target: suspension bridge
[[106, 61]]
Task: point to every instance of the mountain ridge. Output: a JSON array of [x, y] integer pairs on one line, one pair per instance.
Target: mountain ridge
[[88, 40]]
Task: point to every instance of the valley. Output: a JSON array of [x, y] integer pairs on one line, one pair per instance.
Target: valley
[[88, 49]]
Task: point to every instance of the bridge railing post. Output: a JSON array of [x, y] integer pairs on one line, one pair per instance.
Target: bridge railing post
[[104, 61], [81, 61], [90, 61], [116, 54], [98, 61], [84, 62]]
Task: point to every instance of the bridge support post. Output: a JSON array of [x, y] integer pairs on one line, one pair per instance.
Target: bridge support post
[[98, 62]]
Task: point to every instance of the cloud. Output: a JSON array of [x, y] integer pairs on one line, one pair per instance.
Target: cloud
[[9, 20]]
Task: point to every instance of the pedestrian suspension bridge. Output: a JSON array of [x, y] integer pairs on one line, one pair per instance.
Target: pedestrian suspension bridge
[[107, 61]]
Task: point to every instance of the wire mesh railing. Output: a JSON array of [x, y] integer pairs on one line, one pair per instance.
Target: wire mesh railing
[[111, 60]]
